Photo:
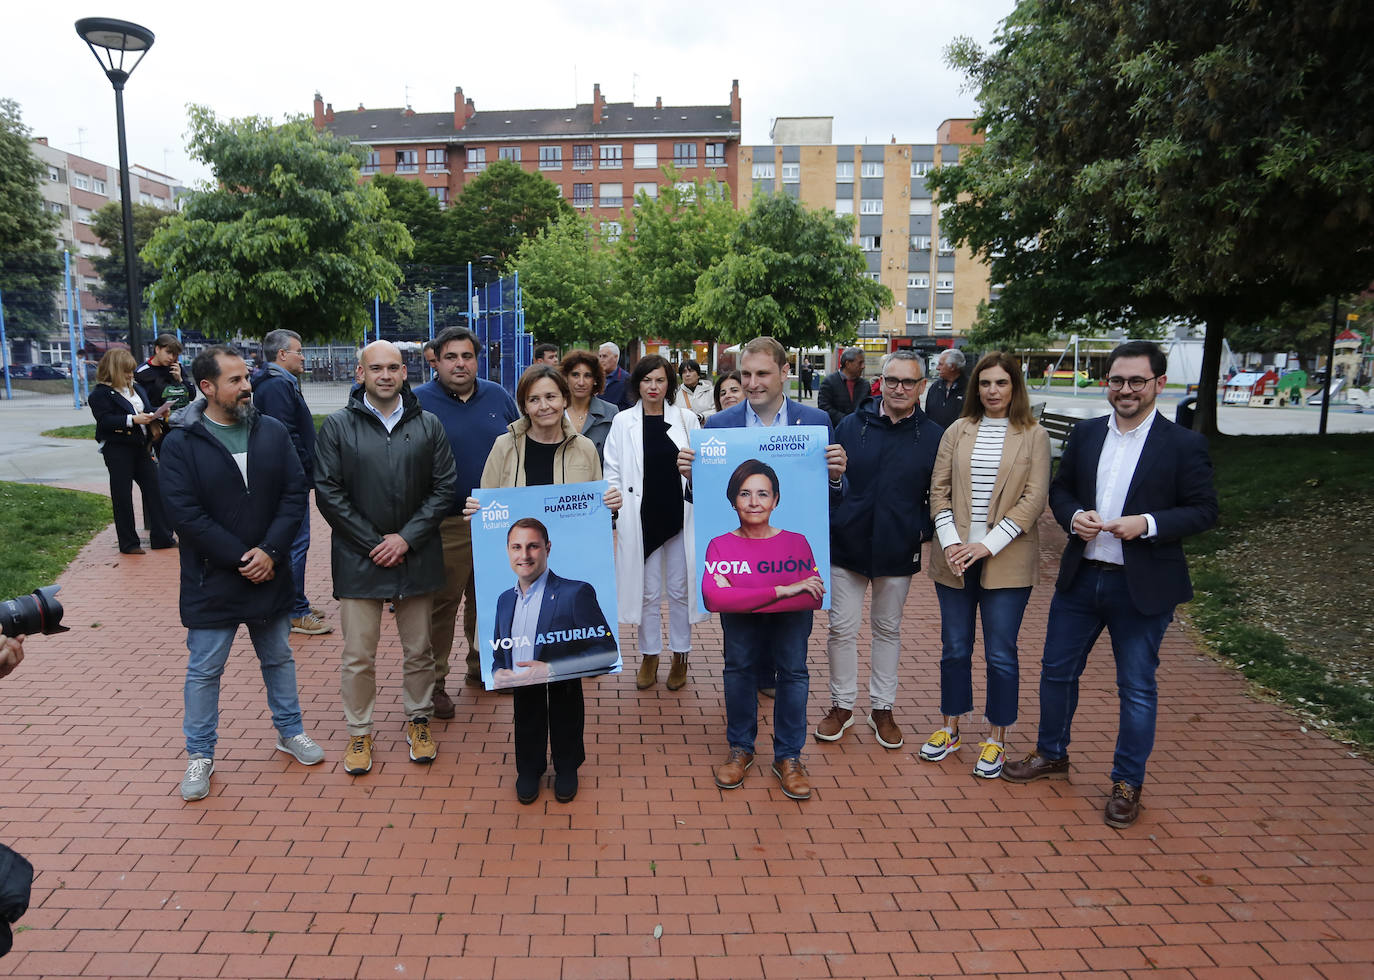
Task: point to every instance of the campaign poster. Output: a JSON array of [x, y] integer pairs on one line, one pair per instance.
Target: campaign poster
[[761, 504], [545, 571]]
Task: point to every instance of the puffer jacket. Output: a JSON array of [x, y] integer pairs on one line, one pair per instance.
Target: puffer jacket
[[218, 519], [574, 461], [370, 483], [878, 528]]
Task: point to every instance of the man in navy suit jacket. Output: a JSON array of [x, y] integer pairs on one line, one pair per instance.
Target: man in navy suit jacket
[[765, 650], [1130, 487], [568, 637]]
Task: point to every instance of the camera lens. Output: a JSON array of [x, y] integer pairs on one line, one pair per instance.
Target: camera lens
[[38, 612]]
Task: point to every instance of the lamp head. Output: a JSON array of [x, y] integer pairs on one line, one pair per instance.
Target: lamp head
[[117, 38]]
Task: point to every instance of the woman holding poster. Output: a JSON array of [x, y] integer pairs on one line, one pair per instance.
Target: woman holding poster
[[542, 448], [758, 567], [653, 548]]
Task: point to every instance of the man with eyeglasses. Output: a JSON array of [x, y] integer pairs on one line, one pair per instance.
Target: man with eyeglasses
[[876, 532], [1130, 487]]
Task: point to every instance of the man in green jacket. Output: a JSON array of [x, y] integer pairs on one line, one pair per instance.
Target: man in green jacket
[[384, 478]]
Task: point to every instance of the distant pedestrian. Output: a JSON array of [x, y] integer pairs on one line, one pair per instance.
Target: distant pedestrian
[[808, 374], [236, 492], [945, 399], [617, 390], [843, 391], [696, 390], [546, 354]]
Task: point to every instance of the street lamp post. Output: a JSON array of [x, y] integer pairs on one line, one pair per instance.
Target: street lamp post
[[118, 38]]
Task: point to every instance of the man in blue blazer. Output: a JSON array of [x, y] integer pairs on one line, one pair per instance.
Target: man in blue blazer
[[1130, 487], [760, 647]]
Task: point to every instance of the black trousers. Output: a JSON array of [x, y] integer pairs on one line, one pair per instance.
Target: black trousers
[[127, 465], [549, 716]]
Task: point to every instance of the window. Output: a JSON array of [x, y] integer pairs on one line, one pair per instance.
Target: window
[[871, 205], [876, 276], [920, 205], [871, 243], [917, 280], [436, 161], [946, 247], [582, 195], [791, 173], [145, 198], [872, 169], [944, 282], [477, 158], [844, 205], [372, 164], [651, 190], [715, 154], [844, 173], [684, 154], [918, 314], [408, 161], [551, 158], [763, 171], [610, 231], [81, 181], [56, 208], [97, 185], [83, 215], [944, 319], [646, 156], [686, 190], [54, 174], [611, 158], [582, 156], [920, 243], [919, 168], [611, 195], [511, 153], [440, 194]]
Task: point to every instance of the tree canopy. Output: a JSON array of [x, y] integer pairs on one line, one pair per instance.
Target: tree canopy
[[1209, 159], [30, 264], [792, 274], [498, 210], [287, 239], [112, 291], [567, 279]]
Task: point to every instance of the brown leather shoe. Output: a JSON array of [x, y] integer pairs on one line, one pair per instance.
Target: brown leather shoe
[[889, 735], [1036, 766], [443, 704], [648, 672], [1123, 809], [730, 774], [792, 774], [677, 674], [834, 723]]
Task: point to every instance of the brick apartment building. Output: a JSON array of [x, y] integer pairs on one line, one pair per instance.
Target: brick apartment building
[[599, 154]]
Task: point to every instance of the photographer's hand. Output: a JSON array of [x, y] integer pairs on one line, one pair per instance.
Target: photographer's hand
[[11, 653]]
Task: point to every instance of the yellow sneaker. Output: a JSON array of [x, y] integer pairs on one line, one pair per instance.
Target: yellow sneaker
[[422, 747], [358, 757]]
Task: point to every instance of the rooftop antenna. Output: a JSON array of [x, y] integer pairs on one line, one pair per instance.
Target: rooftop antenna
[[407, 97], [574, 84], [634, 88], [81, 141]]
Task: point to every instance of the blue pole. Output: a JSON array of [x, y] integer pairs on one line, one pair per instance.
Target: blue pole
[[5, 349], [430, 296], [71, 325], [81, 340], [377, 315]]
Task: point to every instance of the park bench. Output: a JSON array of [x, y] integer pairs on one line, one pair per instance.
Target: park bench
[[1058, 426]]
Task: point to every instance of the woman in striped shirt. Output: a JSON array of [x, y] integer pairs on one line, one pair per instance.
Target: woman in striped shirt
[[989, 487]]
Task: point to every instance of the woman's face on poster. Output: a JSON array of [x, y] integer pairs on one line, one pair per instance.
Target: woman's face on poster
[[755, 501]]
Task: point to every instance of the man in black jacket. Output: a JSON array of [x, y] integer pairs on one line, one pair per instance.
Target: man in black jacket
[[161, 371], [876, 533], [384, 479], [945, 400], [842, 391], [235, 492], [277, 393]]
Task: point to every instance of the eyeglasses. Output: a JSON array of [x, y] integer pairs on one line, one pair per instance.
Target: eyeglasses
[[906, 384], [1136, 384]]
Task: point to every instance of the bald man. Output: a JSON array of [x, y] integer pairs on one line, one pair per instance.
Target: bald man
[[384, 478]]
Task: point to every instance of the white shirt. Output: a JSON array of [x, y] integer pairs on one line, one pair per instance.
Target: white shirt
[[389, 421], [752, 419], [1115, 469], [524, 626]]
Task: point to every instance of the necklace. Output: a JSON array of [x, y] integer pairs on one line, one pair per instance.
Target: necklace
[[578, 418]]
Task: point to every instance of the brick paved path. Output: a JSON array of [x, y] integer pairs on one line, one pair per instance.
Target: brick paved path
[[1253, 857]]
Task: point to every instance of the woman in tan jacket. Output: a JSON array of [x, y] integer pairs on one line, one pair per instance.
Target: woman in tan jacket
[[990, 484]]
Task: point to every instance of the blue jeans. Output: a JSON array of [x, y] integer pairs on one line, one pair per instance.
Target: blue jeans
[[299, 548], [1002, 611], [209, 652], [1096, 599], [751, 638]]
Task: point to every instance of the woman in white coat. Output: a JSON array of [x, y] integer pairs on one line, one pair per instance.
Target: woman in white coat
[[653, 550]]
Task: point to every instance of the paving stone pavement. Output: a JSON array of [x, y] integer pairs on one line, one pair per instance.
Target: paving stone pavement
[[1253, 857]]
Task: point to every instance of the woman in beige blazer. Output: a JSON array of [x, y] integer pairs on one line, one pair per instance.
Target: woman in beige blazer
[[990, 484]]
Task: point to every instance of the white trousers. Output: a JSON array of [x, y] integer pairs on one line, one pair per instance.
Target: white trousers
[[842, 646], [665, 570]]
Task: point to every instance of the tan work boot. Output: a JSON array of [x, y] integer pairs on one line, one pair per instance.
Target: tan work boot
[[358, 757], [648, 671], [677, 674]]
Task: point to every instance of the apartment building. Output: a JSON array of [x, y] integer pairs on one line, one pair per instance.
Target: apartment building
[[936, 288], [599, 154]]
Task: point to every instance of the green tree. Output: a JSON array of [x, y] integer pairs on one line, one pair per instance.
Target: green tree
[[667, 243], [1205, 160], [501, 208], [416, 208], [30, 264], [287, 239], [569, 286], [791, 274], [113, 292]]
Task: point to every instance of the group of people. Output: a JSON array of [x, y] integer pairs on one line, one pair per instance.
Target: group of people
[[395, 470]]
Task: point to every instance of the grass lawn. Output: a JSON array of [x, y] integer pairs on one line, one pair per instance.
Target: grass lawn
[[88, 431], [43, 528], [1284, 581]]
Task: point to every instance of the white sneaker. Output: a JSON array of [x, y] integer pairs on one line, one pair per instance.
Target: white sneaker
[[302, 747], [989, 765], [939, 745], [196, 784]]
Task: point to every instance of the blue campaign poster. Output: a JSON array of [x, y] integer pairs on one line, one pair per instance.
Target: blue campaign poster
[[761, 504], [545, 574]]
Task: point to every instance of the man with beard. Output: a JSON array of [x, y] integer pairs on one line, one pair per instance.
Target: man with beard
[[235, 491]]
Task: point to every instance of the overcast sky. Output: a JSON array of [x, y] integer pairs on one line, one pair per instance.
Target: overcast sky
[[876, 67]]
